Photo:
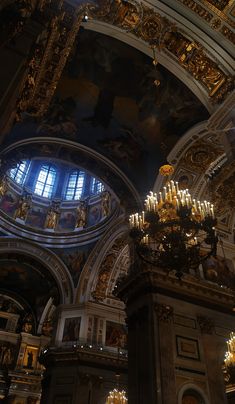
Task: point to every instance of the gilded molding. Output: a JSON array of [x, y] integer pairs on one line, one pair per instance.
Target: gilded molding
[[220, 12], [215, 15], [199, 156], [228, 33], [100, 291], [222, 189], [48, 61], [198, 9], [62, 38], [220, 5]]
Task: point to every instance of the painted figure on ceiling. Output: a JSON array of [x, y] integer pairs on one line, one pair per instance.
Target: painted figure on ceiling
[[105, 203], [23, 208], [81, 215]]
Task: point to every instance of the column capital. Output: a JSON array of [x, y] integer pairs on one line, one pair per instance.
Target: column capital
[[206, 324], [164, 312]]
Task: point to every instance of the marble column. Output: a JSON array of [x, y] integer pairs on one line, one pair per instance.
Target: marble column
[[142, 386], [151, 376]]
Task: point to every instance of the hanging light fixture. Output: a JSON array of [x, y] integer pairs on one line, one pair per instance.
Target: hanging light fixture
[[174, 232], [229, 360], [117, 396], [157, 81]]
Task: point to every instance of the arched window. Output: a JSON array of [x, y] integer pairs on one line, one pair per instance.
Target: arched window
[[75, 185], [19, 173], [46, 181], [96, 186]]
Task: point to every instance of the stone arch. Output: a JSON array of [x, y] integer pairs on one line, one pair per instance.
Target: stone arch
[[163, 58], [134, 27], [201, 152], [192, 387], [209, 135], [47, 258], [120, 268], [100, 266]]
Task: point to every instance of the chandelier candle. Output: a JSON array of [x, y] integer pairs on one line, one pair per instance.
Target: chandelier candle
[[230, 354], [174, 229], [117, 397]]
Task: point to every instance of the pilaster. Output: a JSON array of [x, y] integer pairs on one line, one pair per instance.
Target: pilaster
[[213, 346]]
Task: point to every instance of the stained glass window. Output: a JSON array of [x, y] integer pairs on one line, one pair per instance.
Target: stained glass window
[[19, 173], [75, 185], [46, 181]]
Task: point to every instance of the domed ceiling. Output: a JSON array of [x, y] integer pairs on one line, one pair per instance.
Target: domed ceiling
[[54, 199], [107, 100]]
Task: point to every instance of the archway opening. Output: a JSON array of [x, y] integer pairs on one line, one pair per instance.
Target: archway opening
[[191, 396]]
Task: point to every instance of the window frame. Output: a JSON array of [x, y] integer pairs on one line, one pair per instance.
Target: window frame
[[95, 186], [23, 173], [74, 189], [52, 187]]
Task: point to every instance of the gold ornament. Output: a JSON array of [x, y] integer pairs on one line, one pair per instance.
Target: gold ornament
[[166, 170]]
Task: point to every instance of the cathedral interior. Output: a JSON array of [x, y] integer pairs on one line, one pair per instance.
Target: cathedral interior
[[96, 97]]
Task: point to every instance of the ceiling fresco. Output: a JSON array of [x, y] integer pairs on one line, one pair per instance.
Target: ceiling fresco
[[19, 273], [75, 259], [107, 100]]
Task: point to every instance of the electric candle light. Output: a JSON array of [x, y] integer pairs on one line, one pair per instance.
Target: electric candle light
[[229, 359], [117, 397], [176, 198], [171, 218]]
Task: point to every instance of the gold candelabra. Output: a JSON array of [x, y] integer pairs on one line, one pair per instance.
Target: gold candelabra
[[116, 397], [174, 231], [229, 360]]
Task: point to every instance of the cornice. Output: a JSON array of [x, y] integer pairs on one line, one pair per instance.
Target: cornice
[[65, 356], [212, 20], [11, 227], [190, 289]]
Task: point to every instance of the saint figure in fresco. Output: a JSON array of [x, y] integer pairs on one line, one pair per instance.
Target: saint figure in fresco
[[24, 206], [81, 215], [52, 219], [7, 357], [105, 203]]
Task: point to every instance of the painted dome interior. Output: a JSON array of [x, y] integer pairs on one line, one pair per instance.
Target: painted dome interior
[[55, 196]]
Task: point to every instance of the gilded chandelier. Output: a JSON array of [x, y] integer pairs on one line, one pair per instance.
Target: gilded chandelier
[[116, 397], [229, 360], [174, 232]]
